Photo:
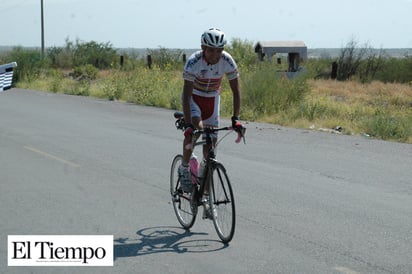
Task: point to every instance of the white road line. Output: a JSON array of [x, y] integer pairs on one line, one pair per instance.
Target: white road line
[[346, 270], [47, 155]]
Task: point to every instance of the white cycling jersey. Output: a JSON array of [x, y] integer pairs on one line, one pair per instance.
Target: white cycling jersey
[[207, 78]]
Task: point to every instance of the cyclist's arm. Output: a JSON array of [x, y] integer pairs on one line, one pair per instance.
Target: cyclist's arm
[[234, 85], [187, 94]]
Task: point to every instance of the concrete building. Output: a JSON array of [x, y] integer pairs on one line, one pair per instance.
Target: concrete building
[[296, 52]]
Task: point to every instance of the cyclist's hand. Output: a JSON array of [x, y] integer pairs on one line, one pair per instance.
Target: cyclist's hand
[[239, 128], [189, 128], [235, 122]]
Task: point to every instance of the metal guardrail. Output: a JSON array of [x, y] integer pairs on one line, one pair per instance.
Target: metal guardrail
[[6, 75]]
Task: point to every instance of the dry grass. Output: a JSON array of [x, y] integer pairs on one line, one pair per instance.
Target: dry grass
[[384, 110], [369, 94]]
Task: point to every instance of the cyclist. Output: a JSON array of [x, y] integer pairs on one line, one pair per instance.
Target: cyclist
[[203, 74]]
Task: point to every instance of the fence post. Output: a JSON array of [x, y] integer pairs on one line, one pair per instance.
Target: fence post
[[121, 61], [334, 72], [149, 61]]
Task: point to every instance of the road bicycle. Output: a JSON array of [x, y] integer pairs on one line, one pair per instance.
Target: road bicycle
[[220, 203]]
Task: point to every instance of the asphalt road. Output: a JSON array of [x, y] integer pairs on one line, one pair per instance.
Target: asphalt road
[[307, 201]]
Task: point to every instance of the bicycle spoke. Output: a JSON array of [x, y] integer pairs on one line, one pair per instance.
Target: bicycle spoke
[[181, 201], [226, 199], [222, 204]]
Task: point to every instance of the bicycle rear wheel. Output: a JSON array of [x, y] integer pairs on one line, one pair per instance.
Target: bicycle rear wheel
[[222, 203], [185, 213]]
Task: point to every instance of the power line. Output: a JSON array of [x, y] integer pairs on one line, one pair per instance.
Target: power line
[[42, 27]]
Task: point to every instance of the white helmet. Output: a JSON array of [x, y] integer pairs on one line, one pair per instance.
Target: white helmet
[[213, 38]]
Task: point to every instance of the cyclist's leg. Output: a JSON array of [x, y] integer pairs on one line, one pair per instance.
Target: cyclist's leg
[[209, 113], [197, 123], [184, 169], [181, 201], [187, 149], [208, 110]]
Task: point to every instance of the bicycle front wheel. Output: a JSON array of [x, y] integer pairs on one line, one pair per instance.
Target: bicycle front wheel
[[222, 203], [185, 213]]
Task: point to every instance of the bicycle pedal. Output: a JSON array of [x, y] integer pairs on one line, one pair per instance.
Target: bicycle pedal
[[207, 213], [207, 216]]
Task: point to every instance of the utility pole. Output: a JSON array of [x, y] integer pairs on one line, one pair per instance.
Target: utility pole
[[42, 28]]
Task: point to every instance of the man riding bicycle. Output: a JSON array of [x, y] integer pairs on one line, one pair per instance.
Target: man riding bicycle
[[203, 74]]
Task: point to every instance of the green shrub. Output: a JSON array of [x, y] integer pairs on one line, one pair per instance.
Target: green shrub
[[56, 78], [131, 60], [79, 88], [115, 85], [318, 68], [29, 64], [243, 52], [311, 110], [395, 70], [60, 57], [265, 92], [166, 59], [100, 55], [86, 72], [385, 126]]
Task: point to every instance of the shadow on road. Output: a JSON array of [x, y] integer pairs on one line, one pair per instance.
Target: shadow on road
[[164, 239]]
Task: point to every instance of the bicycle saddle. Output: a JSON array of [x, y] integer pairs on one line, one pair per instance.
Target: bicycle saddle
[[178, 114]]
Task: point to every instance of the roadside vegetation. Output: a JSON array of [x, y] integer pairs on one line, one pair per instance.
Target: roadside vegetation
[[371, 94]]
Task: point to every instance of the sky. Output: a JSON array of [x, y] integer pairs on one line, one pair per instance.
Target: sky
[[179, 23]]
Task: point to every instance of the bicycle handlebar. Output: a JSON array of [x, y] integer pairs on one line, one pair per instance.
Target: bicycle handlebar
[[180, 124]]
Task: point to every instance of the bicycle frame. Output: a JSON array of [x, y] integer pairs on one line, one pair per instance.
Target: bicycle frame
[[211, 155], [219, 206], [210, 159]]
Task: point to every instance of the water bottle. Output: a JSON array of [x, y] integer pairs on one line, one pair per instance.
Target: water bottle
[[194, 168], [202, 166]]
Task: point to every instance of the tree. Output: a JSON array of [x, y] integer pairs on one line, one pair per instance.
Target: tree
[[100, 55], [349, 60], [363, 62]]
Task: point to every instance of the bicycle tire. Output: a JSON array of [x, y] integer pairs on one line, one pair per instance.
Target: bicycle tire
[[222, 203], [182, 205]]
